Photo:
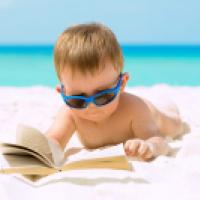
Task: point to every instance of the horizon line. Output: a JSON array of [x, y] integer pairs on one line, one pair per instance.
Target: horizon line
[[121, 44]]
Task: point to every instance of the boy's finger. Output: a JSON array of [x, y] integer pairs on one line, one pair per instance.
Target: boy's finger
[[129, 144], [148, 155], [126, 147], [150, 152], [143, 149], [133, 148]]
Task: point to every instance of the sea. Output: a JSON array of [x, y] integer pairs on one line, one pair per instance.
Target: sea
[[147, 65]]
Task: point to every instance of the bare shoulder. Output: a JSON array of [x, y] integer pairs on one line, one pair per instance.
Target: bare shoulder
[[136, 104], [63, 126], [142, 113]]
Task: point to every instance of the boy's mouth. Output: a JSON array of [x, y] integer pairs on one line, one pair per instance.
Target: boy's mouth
[[93, 114]]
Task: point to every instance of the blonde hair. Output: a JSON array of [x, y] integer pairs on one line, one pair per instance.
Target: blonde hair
[[86, 48]]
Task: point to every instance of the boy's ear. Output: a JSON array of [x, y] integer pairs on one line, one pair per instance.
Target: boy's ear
[[58, 88], [124, 81]]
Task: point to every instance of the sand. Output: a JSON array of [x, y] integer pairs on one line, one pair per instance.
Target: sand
[[166, 177]]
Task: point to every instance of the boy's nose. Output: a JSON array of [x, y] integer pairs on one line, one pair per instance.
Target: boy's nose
[[91, 105]]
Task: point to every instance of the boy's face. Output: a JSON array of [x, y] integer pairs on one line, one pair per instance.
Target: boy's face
[[88, 85]]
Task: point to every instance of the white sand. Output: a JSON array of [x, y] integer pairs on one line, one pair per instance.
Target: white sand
[[175, 177]]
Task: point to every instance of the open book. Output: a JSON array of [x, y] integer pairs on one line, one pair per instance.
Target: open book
[[35, 154]]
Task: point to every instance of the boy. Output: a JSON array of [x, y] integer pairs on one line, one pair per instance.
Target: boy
[[89, 64]]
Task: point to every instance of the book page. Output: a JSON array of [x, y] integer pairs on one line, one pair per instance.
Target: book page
[[13, 149], [33, 139], [37, 141], [103, 152], [32, 142], [107, 157], [23, 164]]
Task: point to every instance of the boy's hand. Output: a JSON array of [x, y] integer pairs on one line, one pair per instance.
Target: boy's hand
[[56, 151], [140, 148]]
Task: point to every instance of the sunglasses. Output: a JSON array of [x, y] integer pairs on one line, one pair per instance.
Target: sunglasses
[[99, 99]]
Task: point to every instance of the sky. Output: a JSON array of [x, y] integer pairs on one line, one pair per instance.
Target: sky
[[132, 21]]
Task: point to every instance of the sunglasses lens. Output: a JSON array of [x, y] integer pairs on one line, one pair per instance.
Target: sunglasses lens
[[105, 98], [76, 103]]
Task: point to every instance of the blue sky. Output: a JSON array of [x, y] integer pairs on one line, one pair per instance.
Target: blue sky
[[133, 21]]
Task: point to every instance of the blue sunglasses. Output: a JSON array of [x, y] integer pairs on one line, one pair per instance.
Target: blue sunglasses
[[99, 99]]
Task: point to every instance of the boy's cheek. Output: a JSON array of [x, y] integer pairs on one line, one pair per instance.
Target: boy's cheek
[[77, 113], [111, 107]]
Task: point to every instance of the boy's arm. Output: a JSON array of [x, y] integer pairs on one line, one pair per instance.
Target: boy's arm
[[147, 141], [62, 128]]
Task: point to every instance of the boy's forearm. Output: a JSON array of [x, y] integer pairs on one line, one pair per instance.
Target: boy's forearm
[[160, 145], [58, 143]]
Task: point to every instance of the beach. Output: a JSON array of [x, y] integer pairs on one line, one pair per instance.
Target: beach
[[175, 177], [157, 43]]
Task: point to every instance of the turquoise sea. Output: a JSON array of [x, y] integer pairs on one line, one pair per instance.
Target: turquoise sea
[[147, 65]]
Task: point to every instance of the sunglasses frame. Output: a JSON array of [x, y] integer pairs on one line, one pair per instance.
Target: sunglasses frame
[[91, 98]]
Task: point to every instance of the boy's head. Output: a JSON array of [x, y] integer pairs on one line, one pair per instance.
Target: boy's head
[[88, 59], [86, 48]]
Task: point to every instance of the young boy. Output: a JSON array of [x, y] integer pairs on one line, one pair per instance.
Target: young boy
[[89, 65]]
